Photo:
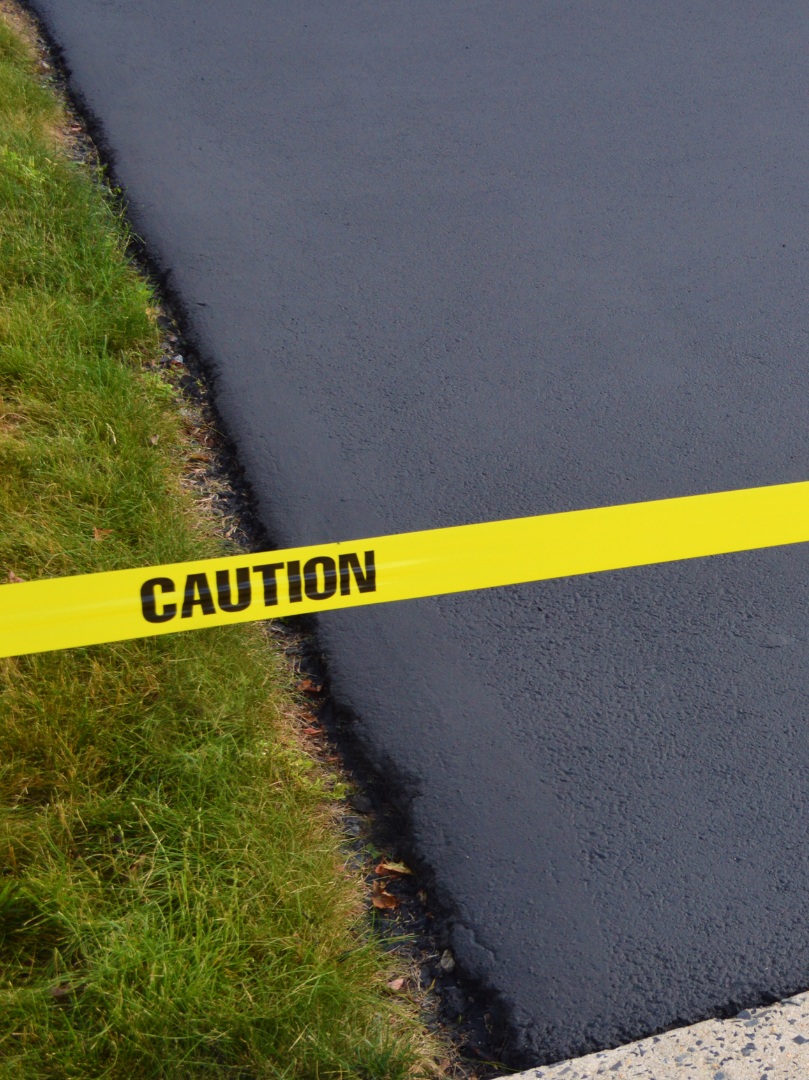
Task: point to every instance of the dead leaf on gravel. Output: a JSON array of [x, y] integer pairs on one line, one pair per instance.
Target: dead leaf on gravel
[[13, 579], [392, 869], [382, 899], [101, 534], [309, 687], [396, 984]]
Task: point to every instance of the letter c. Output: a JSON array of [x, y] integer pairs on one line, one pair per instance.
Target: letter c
[[148, 602]]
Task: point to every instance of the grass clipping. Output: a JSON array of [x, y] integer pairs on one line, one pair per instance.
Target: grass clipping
[[172, 898]]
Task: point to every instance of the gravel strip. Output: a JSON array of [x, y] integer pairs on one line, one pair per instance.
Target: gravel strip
[[759, 1044]]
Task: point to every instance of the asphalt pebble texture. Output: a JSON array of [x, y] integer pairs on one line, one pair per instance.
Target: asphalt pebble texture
[[467, 260], [758, 1044]]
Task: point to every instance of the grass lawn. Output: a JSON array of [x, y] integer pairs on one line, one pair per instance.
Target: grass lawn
[[173, 901]]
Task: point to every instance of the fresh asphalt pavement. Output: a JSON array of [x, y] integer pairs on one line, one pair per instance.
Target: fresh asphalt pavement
[[461, 260]]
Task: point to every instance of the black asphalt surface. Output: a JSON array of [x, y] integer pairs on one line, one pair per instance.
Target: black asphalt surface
[[460, 260]]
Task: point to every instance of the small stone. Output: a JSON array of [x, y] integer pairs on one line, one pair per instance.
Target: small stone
[[447, 961], [361, 803], [775, 641]]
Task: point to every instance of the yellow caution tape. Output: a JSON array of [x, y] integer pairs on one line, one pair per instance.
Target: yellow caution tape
[[61, 613]]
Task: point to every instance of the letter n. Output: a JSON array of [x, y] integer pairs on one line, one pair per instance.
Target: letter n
[[366, 582]]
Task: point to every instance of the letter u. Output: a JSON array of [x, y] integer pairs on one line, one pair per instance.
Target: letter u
[[224, 594]]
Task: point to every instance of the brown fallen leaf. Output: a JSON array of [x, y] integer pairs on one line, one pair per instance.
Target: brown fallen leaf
[[135, 868], [100, 534], [396, 984], [445, 1064], [13, 579], [65, 992], [309, 687], [392, 869], [382, 899], [313, 731], [200, 457]]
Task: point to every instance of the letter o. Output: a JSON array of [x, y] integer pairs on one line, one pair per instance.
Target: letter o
[[329, 578]]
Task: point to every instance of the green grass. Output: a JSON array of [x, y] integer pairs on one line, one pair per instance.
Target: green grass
[[172, 898]]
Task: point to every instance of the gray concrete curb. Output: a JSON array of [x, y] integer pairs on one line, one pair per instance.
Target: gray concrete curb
[[759, 1044]]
